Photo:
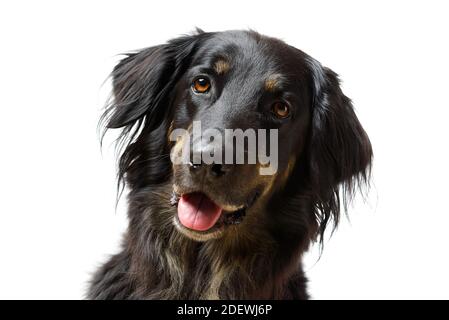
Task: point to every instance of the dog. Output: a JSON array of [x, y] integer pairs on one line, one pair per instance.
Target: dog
[[219, 230]]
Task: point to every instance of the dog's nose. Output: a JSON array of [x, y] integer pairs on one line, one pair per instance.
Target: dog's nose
[[200, 164], [215, 169]]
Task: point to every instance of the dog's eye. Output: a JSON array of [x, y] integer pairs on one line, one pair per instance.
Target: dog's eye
[[280, 109], [201, 85]]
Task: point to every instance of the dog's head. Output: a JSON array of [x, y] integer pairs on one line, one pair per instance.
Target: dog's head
[[208, 99]]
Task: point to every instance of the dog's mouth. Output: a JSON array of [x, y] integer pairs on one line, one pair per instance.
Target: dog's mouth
[[199, 213]]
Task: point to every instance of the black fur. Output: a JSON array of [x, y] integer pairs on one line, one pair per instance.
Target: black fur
[[261, 258]]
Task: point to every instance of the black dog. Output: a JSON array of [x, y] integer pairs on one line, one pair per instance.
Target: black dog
[[222, 231]]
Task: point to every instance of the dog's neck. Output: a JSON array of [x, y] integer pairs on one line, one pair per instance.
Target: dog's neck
[[167, 265]]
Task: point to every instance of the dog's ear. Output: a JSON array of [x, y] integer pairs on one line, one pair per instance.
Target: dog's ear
[[142, 80], [142, 85], [340, 152]]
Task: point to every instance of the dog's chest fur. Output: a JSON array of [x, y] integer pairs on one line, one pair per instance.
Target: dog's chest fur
[[195, 271]]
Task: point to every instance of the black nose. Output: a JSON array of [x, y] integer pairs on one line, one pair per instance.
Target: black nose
[[215, 169]]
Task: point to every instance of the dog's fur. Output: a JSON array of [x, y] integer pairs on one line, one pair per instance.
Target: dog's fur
[[325, 155]]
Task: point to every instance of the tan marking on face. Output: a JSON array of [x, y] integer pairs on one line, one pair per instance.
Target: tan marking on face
[[272, 82], [270, 180], [278, 180], [221, 66], [177, 152], [291, 165], [178, 146], [288, 171]]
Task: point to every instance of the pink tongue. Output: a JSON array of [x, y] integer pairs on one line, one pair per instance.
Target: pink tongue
[[198, 212]]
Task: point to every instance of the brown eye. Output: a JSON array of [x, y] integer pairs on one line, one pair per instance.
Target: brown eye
[[281, 110], [201, 85]]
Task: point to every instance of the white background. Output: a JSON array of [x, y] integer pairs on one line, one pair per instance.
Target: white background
[[57, 191]]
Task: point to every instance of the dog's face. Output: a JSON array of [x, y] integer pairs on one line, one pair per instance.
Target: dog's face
[[235, 81]]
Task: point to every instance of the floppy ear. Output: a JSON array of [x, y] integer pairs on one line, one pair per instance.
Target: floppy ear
[[142, 85], [340, 152], [142, 80]]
